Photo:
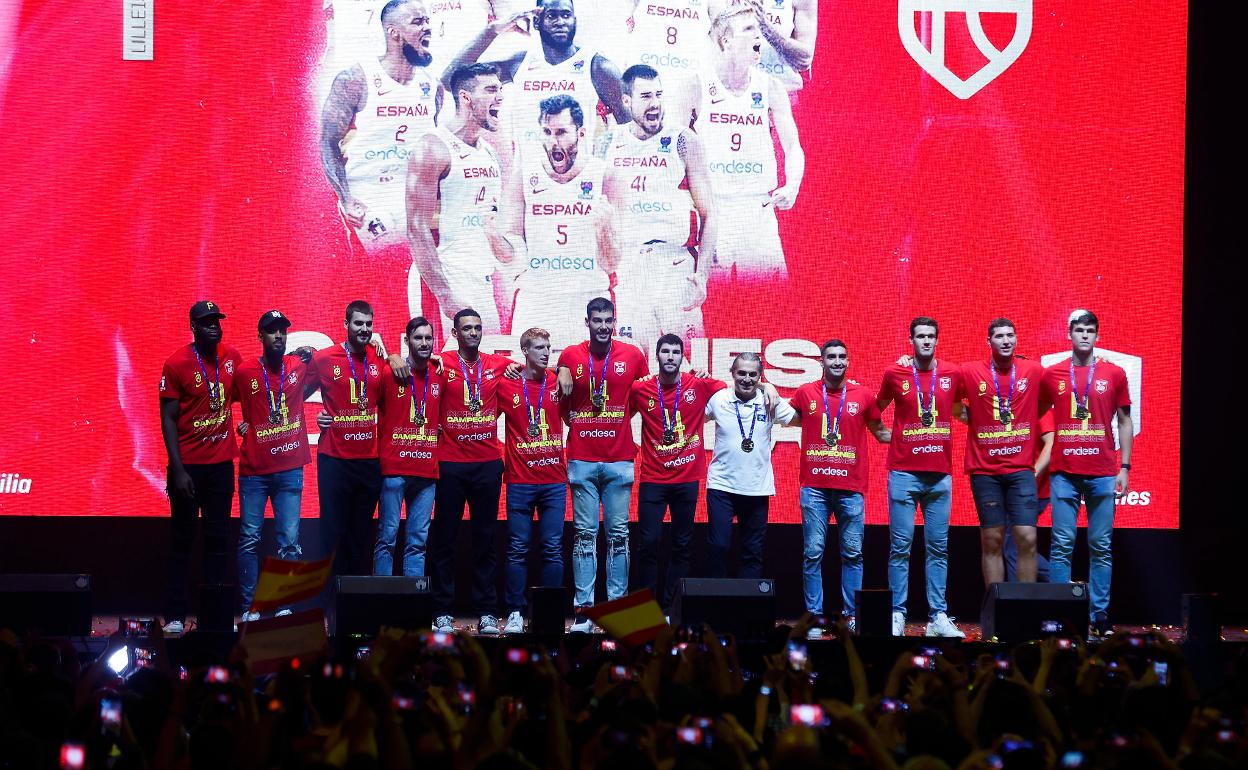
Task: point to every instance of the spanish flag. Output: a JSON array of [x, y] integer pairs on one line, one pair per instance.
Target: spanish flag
[[282, 583], [273, 641], [634, 619]]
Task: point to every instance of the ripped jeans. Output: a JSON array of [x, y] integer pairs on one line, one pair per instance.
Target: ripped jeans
[[606, 487]]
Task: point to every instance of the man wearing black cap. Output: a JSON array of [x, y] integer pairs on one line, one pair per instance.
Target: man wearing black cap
[[270, 390], [197, 426]]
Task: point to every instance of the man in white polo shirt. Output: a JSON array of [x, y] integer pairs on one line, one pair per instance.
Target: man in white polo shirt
[[739, 481]]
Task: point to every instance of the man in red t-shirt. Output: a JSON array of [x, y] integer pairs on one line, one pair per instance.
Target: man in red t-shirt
[[198, 427], [835, 414], [1003, 397], [536, 476], [270, 390], [470, 472], [1087, 393], [407, 445], [594, 382], [919, 468], [672, 406], [348, 476]]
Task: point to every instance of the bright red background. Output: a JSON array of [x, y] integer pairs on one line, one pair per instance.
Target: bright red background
[[135, 188]]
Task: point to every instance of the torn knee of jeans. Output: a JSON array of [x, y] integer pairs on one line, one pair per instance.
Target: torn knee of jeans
[[617, 544], [583, 543]]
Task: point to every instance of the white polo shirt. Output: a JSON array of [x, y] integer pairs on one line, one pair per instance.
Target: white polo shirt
[[734, 470]]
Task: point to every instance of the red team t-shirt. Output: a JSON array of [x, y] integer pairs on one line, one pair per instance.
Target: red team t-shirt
[[685, 458], [601, 436], [268, 447], [532, 460], [915, 448], [1085, 447], [353, 434], [406, 448], [845, 466], [468, 437], [993, 448], [204, 436]]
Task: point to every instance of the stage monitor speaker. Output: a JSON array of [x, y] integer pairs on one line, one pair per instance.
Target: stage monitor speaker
[[1202, 618], [55, 605], [1018, 612], [365, 603], [548, 608], [216, 608], [743, 607], [875, 612]]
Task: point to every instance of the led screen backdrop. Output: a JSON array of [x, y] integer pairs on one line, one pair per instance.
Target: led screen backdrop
[[1022, 161]]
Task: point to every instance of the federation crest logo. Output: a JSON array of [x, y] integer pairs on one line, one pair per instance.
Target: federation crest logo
[[851, 407], [929, 49], [578, 65], [905, 386], [402, 390], [293, 378], [665, 144], [587, 190], [199, 380], [812, 406], [650, 404], [435, 389], [337, 371], [983, 387], [580, 369], [254, 385], [533, 180], [620, 366], [757, 97], [515, 400], [690, 396], [946, 383], [1061, 386], [1102, 386]]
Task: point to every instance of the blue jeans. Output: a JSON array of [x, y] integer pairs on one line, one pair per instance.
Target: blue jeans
[[817, 504], [285, 488], [417, 493], [1066, 490], [933, 493], [1009, 551], [595, 486], [550, 502]]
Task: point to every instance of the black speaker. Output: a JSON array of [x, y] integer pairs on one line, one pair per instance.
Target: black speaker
[[55, 605], [216, 608], [1202, 618], [875, 612], [744, 607], [365, 603], [548, 608], [1018, 612]]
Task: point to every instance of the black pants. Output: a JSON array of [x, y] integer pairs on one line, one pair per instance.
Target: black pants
[[214, 494], [478, 485], [653, 501], [348, 491], [751, 514]]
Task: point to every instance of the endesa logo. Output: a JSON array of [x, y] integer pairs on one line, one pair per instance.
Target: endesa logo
[[596, 433], [1005, 451], [668, 60], [289, 446], [561, 263], [1081, 451], [736, 167], [928, 449], [829, 472], [650, 207], [679, 461]]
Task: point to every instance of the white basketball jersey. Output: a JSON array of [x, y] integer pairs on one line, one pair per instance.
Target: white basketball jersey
[[559, 229], [468, 193], [736, 131], [394, 118], [454, 24], [779, 15], [656, 202], [536, 80], [670, 34]]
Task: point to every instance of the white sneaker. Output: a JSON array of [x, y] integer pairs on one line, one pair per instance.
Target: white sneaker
[[487, 625], [174, 628], [581, 625], [283, 613], [814, 634], [852, 622], [249, 616], [444, 624], [899, 623], [515, 623], [942, 625]]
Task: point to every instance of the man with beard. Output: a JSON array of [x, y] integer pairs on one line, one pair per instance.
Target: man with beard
[[594, 382], [197, 426], [407, 444], [656, 176], [348, 476], [671, 37], [558, 225], [385, 104], [454, 179], [558, 65], [739, 106], [672, 406]]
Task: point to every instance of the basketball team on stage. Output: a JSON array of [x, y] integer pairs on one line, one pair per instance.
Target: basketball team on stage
[[419, 432]]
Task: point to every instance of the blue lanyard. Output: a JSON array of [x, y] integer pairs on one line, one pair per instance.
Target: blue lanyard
[[214, 388], [528, 410], [600, 389], [411, 385], [275, 404], [361, 385], [1009, 402], [1082, 403], [918, 389], [753, 418], [835, 428], [675, 406], [467, 382]]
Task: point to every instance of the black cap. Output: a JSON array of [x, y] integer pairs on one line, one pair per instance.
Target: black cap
[[273, 319], [205, 309]]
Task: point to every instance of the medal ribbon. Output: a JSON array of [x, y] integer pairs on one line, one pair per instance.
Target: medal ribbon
[[663, 407], [534, 419], [1074, 388], [411, 386], [214, 388], [827, 411], [468, 382], [275, 403], [601, 388], [753, 419], [361, 385], [1009, 402], [918, 389]]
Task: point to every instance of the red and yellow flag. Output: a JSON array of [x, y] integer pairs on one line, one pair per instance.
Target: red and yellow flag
[[634, 619], [282, 583], [273, 641]]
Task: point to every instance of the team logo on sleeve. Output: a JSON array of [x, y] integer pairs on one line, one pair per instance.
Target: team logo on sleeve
[[933, 60], [587, 190], [757, 96], [665, 144]]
